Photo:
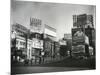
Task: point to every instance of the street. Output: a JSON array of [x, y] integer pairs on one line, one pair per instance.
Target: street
[[33, 69], [67, 64]]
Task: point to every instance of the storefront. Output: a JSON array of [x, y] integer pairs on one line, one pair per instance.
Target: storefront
[[19, 34]]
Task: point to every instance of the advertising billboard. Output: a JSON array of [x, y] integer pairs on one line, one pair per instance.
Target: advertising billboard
[[78, 36], [78, 49], [50, 32], [35, 25], [37, 43], [83, 20]]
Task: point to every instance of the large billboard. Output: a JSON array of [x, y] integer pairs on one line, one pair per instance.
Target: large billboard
[[78, 41], [20, 29], [37, 43], [50, 32], [78, 36], [83, 20], [36, 25], [78, 49]]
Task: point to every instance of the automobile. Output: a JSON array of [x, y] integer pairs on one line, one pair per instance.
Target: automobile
[[21, 60]]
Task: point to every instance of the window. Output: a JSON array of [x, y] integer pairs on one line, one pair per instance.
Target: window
[[22, 43]]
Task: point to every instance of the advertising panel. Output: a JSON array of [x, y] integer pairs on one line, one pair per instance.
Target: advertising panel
[[35, 25], [50, 32], [37, 43], [78, 36], [20, 28], [78, 49], [89, 21], [82, 21]]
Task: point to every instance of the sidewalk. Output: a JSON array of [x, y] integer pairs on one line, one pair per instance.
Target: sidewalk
[[46, 61]]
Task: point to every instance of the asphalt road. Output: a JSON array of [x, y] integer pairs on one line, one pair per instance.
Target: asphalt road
[[33, 69], [68, 64]]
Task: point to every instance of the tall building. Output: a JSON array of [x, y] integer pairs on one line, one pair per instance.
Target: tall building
[[19, 41], [36, 36], [49, 39], [82, 33], [83, 20], [78, 42]]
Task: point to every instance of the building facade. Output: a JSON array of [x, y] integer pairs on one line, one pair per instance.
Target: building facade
[[19, 41], [68, 39], [36, 36], [83, 20], [49, 42], [82, 34]]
